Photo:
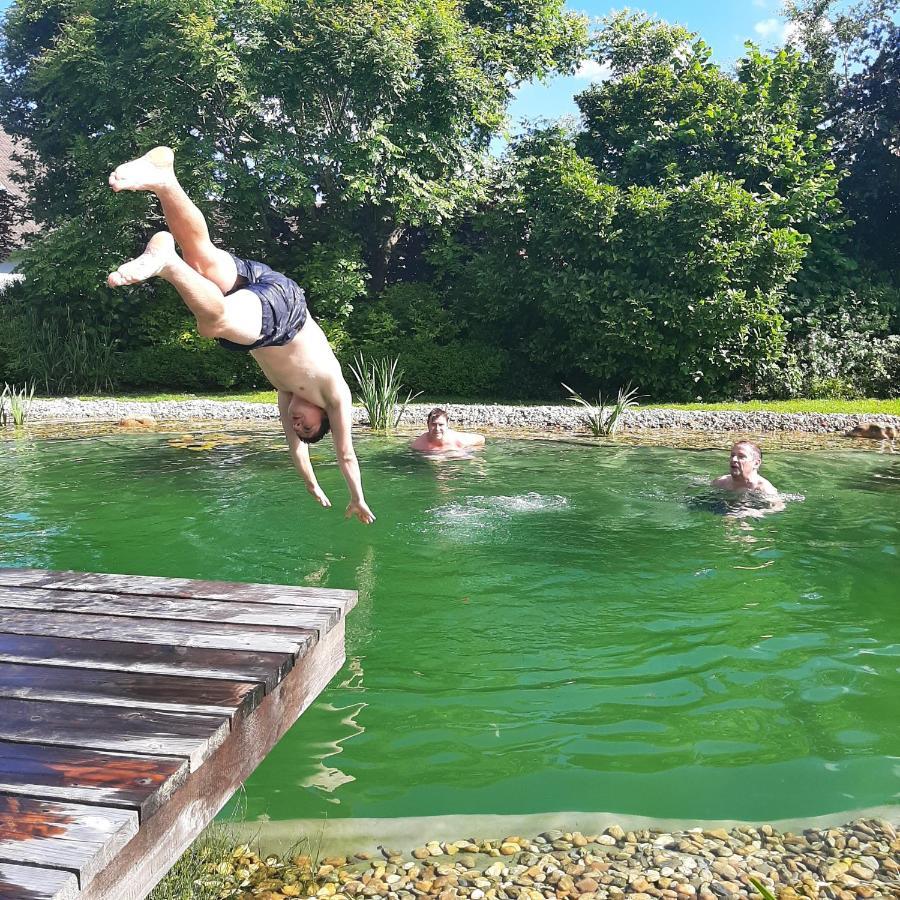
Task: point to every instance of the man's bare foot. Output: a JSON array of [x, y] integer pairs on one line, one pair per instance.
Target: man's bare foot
[[160, 252], [149, 172]]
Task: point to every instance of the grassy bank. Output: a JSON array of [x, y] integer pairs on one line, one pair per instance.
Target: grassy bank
[[850, 407]]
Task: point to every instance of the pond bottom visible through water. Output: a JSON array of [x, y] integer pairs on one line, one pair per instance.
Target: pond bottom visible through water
[[546, 627]]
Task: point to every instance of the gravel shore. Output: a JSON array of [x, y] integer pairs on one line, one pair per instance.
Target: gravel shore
[[858, 860], [491, 417]]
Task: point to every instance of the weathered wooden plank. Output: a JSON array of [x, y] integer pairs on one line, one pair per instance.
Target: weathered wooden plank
[[146, 732], [168, 833], [158, 659], [47, 833], [222, 636], [77, 775], [180, 587], [136, 691], [214, 612], [31, 883]]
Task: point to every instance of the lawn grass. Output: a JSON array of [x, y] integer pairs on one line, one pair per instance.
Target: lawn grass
[[850, 407]]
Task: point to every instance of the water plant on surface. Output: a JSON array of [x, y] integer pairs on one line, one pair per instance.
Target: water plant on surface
[[604, 420], [19, 403], [379, 391]]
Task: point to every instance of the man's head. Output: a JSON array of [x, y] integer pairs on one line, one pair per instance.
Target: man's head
[[310, 423], [437, 423], [746, 458]]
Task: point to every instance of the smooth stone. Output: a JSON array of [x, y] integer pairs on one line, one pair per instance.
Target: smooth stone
[[719, 834], [720, 867], [858, 870]]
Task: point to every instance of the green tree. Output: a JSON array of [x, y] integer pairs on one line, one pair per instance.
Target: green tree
[[676, 288], [383, 107], [658, 243], [8, 208]]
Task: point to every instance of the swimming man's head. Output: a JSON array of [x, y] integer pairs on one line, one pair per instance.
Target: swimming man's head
[[438, 421], [746, 458]]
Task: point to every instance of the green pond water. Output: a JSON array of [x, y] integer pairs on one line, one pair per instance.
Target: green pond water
[[546, 627]]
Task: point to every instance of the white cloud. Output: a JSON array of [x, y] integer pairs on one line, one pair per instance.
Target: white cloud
[[790, 34], [780, 33], [591, 70], [760, 4], [767, 28]]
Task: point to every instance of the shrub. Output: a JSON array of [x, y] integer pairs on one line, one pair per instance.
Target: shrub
[[168, 353], [54, 348], [457, 369]]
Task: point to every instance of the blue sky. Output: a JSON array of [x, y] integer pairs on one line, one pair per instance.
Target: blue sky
[[723, 24]]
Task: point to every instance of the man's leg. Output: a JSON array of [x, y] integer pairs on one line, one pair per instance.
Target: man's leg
[[237, 317], [155, 172]]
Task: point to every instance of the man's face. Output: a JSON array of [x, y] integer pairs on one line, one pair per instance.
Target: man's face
[[306, 417], [437, 428], [743, 461]]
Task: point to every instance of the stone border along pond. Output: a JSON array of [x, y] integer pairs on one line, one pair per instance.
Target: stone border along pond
[[518, 418], [858, 860]]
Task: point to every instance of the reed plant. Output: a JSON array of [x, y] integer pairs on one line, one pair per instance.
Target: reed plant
[[379, 390], [66, 354], [603, 419], [20, 400]]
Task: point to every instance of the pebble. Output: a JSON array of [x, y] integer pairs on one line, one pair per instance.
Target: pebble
[[713, 864]]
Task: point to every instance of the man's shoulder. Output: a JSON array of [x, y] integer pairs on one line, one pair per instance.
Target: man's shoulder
[[766, 487]]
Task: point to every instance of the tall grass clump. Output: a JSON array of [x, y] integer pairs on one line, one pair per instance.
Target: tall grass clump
[[605, 420], [20, 400], [66, 354], [379, 390], [205, 871]]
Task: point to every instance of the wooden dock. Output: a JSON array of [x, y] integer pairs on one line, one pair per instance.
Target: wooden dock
[[132, 708]]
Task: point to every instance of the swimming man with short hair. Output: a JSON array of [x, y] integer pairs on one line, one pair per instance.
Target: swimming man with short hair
[[744, 477], [248, 307], [441, 438]]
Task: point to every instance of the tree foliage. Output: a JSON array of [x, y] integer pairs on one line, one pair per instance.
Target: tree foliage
[[8, 210], [857, 49], [657, 244], [385, 107]]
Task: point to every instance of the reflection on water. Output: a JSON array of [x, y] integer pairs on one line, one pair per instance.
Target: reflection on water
[[543, 627]]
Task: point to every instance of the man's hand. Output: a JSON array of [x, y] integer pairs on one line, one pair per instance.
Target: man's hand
[[319, 495], [362, 512]]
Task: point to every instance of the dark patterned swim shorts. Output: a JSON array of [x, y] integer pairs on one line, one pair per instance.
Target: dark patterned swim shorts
[[282, 300]]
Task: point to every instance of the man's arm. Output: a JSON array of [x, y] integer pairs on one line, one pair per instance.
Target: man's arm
[[471, 439], [299, 451], [340, 416]]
